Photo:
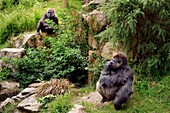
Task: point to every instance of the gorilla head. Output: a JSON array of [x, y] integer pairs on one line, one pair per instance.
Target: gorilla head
[[50, 13], [118, 60]]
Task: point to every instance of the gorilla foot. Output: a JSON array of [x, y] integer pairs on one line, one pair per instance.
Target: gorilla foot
[[117, 107], [104, 100]]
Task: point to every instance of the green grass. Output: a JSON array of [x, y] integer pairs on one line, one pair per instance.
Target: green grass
[[10, 108], [61, 104], [25, 16], [155, 99]]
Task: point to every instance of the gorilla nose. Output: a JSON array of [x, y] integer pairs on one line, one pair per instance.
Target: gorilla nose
[[111, 62]]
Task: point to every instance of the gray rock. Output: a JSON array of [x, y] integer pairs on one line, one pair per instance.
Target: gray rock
[[110, 49], [92, 42], [78, 109], [92, 5], [31, 40], [96, 2], [8, 89], [12, 53], [25, 93], [2, 64], [6, 102], [29, 104], [96, 20]]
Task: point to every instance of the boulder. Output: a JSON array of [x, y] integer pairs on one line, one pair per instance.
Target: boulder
[[22, 95], [92, 42], [110, 49], [30, 104], [12, 53], [86, 1], [8, 89], [25, 93], [6, 102], [96, 20], [31, 40], [2, 64], [96, 2], [78, 109]]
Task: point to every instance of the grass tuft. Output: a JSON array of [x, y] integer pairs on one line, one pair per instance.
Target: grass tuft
[[54, 87]]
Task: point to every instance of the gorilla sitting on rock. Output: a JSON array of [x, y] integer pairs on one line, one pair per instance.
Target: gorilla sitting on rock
[[115, 82]]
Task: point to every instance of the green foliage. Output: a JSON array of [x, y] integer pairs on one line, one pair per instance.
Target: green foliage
[[151, 98], [62, 104], [96, 68], [141, 85], [59, 61], [9, 108], [61, 58], [18, 20], [142, 27], [5, 73], [8, 3], [45, 101]]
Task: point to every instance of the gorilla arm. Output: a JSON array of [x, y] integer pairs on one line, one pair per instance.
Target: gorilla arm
[[107, 69], [41, 23], [126, 90], [55, 19]]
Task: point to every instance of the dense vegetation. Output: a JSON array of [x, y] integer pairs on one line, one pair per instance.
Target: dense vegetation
[[60, 58], [142, 28]]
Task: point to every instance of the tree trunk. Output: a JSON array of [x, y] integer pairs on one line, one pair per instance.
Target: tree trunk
[[65, 3]]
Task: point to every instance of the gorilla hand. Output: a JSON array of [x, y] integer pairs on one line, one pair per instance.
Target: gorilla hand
[[37, 33]]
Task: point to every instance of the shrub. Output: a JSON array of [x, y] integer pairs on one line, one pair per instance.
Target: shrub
[[61, 58], [142, 27], [19, 19], [62, 104], [59, 62], [5, 73]]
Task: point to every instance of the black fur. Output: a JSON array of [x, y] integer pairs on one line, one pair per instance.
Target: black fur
[[43, 26], [115, 83]]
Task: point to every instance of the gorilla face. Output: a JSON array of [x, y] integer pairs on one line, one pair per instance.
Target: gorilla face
[[118, 60], [50, 13]]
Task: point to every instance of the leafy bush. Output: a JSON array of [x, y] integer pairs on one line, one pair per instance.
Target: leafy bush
[[5, 73], [141, 85], [142, 27], [44, 64], [8, 3], [61, 58], [45, 101], [19, 19]]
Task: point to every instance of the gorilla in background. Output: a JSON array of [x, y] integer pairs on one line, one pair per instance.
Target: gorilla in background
[[43, 26], [115, 82]]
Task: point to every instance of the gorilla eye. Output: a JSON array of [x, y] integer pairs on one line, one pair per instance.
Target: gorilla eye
[[119, 61]]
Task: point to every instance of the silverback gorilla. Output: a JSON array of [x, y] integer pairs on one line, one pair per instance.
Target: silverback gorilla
[[43, 26], [115, 82]]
